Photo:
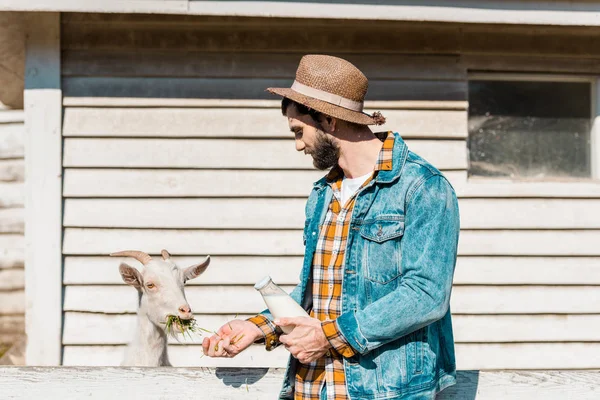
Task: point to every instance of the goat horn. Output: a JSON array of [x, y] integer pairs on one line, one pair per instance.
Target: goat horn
[[142, 257], [165, 254]]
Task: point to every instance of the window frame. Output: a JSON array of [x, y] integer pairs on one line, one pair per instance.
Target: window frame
[[594, 82]]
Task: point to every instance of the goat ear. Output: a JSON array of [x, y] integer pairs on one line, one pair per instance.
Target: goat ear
[[195, 270], [131, 276]]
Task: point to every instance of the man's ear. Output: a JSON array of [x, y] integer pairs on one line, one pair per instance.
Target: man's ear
[[195, 270], [131, 276], [328, 123]]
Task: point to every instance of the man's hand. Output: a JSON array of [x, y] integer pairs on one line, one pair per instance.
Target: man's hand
[[231, 339], [306, 342]]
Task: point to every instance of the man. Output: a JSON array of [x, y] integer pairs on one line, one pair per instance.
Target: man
[[381, 235]]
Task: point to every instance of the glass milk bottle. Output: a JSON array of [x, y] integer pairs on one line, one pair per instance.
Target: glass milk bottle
[[280, 304]]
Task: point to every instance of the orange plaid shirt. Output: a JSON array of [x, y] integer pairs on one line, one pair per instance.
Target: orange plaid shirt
[[328, 272]]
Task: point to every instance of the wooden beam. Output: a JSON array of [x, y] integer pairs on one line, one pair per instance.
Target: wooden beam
[[470, 11], [224, 122], [466, 299], [113, 329], [43, 106], [239, 154], [247, 270], [232, 213], [486, 356], [12, 170], [260, 383], [98, 241]]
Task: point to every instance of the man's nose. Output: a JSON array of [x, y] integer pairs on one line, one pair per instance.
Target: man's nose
[[300, 145], [185, 312]]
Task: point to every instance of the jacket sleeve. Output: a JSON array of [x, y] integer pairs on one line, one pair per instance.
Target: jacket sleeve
[[429, 248]]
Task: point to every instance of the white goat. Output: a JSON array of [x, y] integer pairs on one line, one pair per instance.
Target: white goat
[[161, 294]]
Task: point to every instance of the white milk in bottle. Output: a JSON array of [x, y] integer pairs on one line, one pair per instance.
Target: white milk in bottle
[[280, 304]]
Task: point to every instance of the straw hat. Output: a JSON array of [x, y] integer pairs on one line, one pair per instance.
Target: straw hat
[[332, 86]]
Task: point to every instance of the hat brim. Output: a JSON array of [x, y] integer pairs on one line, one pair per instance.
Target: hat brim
[[325, 107]]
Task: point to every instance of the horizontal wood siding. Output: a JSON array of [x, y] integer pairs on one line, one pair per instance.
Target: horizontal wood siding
[[178, 146], [12, 217]]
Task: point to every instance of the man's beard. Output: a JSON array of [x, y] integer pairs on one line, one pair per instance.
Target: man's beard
[[325, 153]]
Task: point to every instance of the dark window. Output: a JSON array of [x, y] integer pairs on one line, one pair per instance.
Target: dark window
[[529, 129]]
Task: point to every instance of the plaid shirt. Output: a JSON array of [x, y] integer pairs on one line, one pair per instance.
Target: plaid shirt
[[328, 272]]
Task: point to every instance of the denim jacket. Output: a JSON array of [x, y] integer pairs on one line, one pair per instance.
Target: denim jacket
[[400, 259]]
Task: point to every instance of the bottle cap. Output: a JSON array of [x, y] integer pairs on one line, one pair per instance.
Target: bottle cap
[[262, 283]]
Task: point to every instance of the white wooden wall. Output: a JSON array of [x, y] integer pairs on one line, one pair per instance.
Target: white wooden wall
[[171, 142], [12, 280]]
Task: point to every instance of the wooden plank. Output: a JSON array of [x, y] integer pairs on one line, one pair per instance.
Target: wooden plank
[[477, 270], [94, 329], [239, 270], [184, 213], [289, 213], [263, 183], [12, 116], [12, 220], [506, 188], [102, 329], [313, 36], [528, 356], [241, 153], [43, 116], [188, 183], [258, 383], [245, 300], [12, 251], [223, 270], [11, 140], [249, 65], [12, 171], [12, 302], [256, 357], [82, 241], [247, 103], [529, 213], [264, 35], [12, 324], [531, 63], [12, 194], [531, 243], [12, 279], [240, 123], [523, 385], [240, 88], [470, 356]]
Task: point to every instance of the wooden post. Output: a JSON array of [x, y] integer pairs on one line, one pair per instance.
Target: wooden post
[[43, 193]]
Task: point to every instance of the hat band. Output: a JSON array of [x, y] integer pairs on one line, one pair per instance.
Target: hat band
[[328, 97]]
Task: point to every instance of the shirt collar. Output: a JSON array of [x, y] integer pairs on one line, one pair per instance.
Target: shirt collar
[[384, 159]]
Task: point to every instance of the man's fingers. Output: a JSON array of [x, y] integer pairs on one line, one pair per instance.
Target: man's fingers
[[205, 344]]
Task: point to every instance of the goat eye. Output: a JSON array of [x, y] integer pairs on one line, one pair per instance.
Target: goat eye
[[150, 286]]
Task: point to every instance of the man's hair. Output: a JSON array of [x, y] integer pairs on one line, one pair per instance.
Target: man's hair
[[301, 108], [304, 110]]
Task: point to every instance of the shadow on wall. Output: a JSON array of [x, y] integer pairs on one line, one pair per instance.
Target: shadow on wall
[[236, 377], [465, 388]]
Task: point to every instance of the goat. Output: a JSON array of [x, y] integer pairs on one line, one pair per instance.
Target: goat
[[161, 294]]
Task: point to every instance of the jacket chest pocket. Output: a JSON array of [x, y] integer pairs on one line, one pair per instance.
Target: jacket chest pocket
[[382, 256]]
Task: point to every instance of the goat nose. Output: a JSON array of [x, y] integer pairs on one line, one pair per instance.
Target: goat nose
[[185, 311]]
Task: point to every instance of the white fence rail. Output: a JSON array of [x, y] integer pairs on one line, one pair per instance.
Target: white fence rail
[[262, 383]]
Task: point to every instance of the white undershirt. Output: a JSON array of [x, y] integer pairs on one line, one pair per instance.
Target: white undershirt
[[351, 185]]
